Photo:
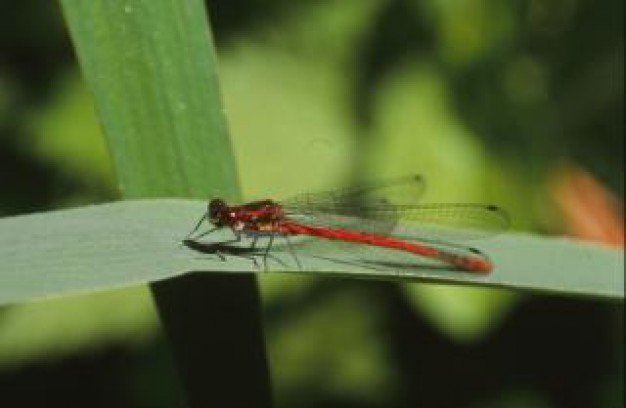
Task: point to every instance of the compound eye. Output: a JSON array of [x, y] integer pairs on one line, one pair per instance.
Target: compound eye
[[215, 209]]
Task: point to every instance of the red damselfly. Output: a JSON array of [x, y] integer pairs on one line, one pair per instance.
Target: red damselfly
[[366, 215]]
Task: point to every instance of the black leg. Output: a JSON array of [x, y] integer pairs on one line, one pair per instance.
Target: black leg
[[221, 256], [197, 226], [254, 261], [267, 251], [292, 252], [237, 235], [205, 233], [254, 241]]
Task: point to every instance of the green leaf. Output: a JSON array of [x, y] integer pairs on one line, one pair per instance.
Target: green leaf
[[152, 71], [132, 242]]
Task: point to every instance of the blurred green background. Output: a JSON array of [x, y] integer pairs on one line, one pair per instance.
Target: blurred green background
[[518, 103]]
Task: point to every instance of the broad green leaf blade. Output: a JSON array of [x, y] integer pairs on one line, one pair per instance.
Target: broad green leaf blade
[[91, 248], [151, 68], [127, 243]]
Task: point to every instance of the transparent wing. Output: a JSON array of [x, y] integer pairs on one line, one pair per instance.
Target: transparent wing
[[405, 190], [430, 222], [347, 208], [377, 207], [451, 221]]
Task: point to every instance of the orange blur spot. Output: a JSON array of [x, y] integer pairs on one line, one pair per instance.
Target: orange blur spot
[[589, 209]]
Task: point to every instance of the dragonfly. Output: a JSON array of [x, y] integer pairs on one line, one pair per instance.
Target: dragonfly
[[365, 215]]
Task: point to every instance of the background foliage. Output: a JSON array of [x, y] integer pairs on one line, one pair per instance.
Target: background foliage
[[517, 103]]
